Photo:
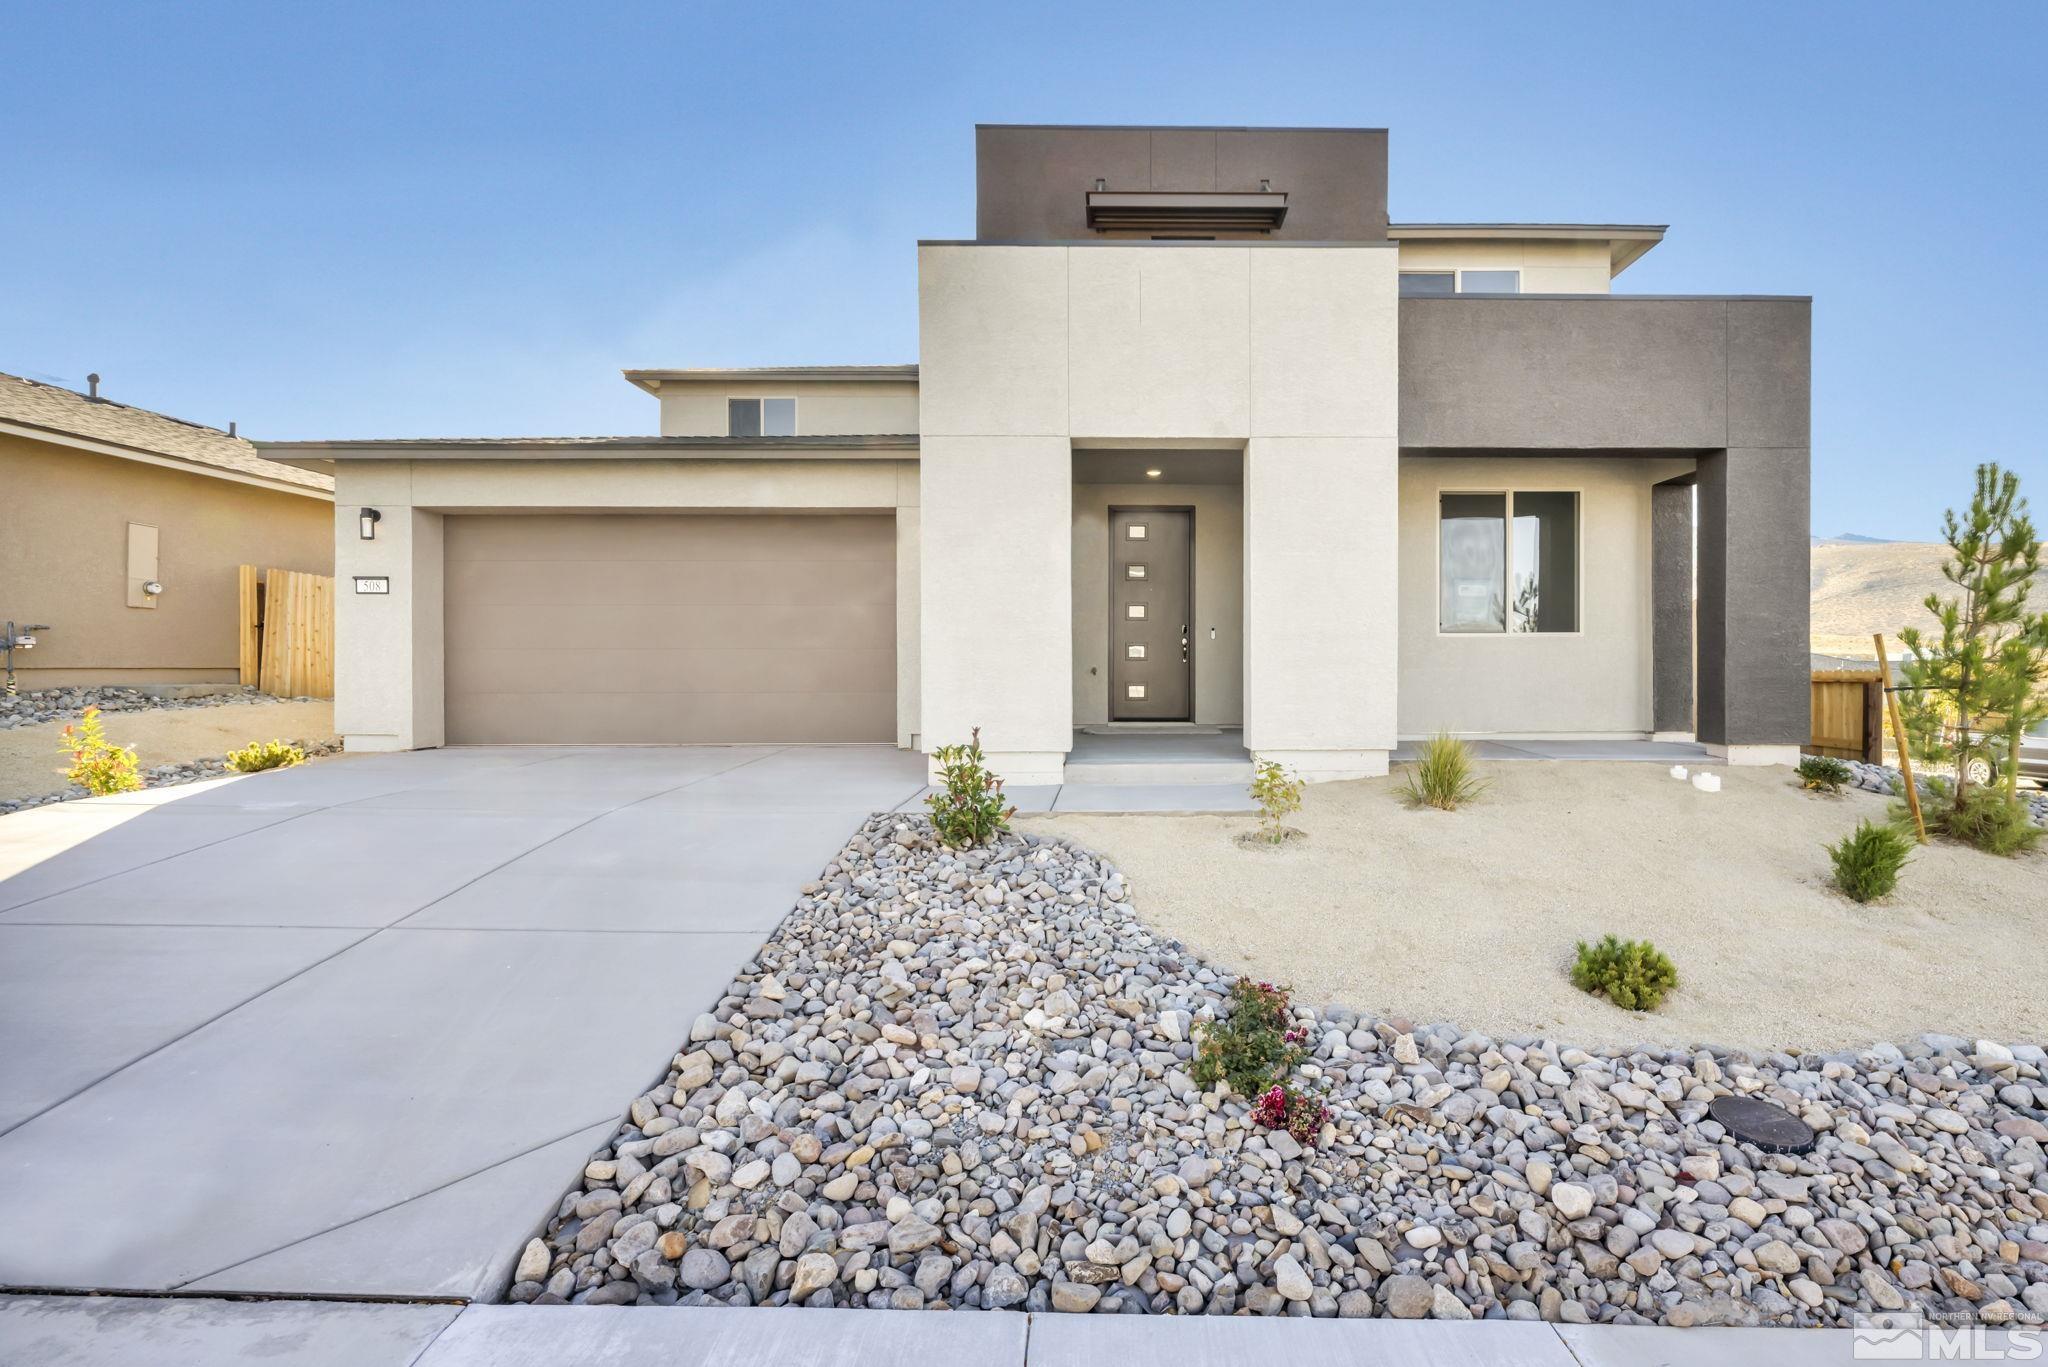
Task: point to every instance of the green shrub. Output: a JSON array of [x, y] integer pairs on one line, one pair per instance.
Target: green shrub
[[1823, 774], [1253, 1047], [1278, 794], [1443, 777], [1984, 817], [97, 764], [257, 756], [1868, 860], [969, 808], [1632, 973]]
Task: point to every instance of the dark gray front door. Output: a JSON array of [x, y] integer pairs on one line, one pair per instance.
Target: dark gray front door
[[1150, 612]]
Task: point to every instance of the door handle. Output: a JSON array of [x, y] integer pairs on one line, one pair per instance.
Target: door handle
[[1183, 642]]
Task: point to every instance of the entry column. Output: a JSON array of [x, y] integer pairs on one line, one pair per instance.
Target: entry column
[[1320, 566], [1755, 548]]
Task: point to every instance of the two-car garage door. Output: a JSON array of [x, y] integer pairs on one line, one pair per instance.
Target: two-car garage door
[[612, 628]]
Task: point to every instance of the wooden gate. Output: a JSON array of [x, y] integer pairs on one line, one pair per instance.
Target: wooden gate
[[287, 632], [1848, 714]]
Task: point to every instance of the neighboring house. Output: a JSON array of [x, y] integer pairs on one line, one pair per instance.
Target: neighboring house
[[1196, 436], [99, 502]]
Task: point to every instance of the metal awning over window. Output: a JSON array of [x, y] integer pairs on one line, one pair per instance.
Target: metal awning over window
[[1170, 211]]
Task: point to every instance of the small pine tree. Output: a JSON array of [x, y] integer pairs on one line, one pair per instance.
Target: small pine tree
[[2020, 691], [1965, 671]]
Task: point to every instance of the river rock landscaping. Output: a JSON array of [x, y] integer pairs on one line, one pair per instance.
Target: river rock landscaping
[[69, 704], [963, 1079], [1883, 778]]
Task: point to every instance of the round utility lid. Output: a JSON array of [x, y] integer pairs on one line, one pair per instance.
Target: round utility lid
[[1771, 1128]]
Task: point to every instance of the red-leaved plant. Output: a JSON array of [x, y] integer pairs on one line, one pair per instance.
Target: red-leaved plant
[[1284, 1107]]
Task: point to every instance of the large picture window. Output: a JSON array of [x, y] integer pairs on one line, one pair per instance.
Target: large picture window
[[1508, 562]]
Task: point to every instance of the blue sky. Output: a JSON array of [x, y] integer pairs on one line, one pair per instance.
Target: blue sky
[[410, 219]]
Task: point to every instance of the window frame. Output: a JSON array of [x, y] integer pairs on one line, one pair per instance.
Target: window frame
[[1578, 494], [760, 402], [1419, 271], [1457, 274], [1515, 271]]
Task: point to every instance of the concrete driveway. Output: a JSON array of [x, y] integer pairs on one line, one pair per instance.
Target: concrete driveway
[[352, 1028]]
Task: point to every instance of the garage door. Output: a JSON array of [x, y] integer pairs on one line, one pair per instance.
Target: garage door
[[618, 628]]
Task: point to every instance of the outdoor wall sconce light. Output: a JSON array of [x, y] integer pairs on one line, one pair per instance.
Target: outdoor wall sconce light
[[152, 588], [368, 519]]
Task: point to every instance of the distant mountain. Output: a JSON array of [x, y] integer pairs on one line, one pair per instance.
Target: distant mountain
[[1858, 539], [1863, 585]]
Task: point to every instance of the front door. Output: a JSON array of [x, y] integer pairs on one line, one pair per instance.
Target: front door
[[1151, 601]]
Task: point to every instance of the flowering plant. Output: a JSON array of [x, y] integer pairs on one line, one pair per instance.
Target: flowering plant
[[1283, 1107], [97, 764]]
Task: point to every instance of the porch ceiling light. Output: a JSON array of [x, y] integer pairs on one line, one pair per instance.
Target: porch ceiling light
[[1151, 474], [368, 519]]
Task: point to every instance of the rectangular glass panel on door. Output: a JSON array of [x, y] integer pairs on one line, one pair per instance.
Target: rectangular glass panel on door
[[1151, 614]]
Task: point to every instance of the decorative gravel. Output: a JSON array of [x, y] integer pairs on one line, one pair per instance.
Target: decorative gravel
[[962, 1079], [169, 775], [69, 704], [1883, 778]]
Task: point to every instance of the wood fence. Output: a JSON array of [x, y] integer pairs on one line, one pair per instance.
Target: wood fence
[[1848, 714], [287, 632]]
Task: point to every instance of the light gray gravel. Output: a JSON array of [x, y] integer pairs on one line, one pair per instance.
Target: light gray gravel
[[961, 1080], [68, 704]]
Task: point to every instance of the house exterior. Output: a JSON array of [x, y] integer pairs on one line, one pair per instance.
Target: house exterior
[[99, 501], [1196, 437]]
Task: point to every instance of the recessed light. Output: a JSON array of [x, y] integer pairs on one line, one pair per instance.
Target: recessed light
[[1151, 474]]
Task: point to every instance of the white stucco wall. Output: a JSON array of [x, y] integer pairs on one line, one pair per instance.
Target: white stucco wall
[[388, 660], [1594, 682], [823, 408], [1218, 594], [389, 655], [996, 653], [1286, 353]]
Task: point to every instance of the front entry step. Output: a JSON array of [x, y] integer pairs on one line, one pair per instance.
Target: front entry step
[[1180, 754], [1233, 773]]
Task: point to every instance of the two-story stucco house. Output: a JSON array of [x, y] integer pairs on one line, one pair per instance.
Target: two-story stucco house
[[1195, 437]]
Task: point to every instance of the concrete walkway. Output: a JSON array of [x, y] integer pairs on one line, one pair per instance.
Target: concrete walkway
[[80, 1332], [352, 1028]]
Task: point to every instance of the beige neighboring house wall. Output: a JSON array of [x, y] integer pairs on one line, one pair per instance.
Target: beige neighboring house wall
[[390, 658], [1546, 267], [1594, 682], [80, 510], [1285, 353], [825, 408]]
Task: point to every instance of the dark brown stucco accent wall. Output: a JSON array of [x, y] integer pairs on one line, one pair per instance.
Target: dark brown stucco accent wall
[[1671, 659], [1032, 181], [1754, 588], [1726, 379]]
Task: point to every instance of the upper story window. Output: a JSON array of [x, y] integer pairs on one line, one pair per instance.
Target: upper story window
[[1425, 284], [1508, 562], [760, 417], [1489, 282]]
